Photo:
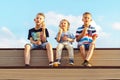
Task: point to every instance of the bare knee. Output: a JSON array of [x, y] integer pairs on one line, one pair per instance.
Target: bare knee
[[48, 46], [82, 47], [27, 46], [92, 45]]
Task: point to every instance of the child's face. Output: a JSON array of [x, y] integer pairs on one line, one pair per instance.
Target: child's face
[[87, 19], [39, 19], [64, 24]]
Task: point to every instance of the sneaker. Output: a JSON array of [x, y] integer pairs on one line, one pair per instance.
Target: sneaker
[[71, 62], [89, 65], [55, 64], [58, 61], [50, 63], [86, 64], [27, 65]]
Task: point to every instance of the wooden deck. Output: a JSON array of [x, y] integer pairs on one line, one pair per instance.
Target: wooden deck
[[101, 57], [60, 74], [106, 66]]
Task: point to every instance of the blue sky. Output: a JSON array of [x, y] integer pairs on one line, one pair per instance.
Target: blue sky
[[16, 17]]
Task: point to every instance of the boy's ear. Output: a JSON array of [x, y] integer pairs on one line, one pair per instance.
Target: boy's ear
[[34, 19]]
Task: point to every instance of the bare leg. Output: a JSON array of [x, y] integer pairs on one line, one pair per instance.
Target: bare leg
[[90, 52], [49, 52], [82, 50], [27, 53]]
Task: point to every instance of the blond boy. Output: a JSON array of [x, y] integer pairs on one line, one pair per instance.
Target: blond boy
[[86, 37], [64, 39], [38, 39]]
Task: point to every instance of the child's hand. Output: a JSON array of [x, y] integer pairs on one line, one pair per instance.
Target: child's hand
[[65, 38], [43, 26], [60, 30], [85, 30], [38, 42]]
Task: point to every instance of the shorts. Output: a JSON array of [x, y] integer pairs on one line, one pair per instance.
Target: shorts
[[86, 46], [42, 46]]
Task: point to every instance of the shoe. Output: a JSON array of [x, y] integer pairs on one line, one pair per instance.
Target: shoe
[[27, 65], [71, 62], [86, 64], [50, 63], [58, 61], [89, 65], [55, 64]]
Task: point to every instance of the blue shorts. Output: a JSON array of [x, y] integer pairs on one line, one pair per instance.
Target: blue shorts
[[42, 46], [86, 46]]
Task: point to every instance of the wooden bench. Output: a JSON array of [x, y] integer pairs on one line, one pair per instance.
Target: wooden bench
[[105, 66], [12, 57]]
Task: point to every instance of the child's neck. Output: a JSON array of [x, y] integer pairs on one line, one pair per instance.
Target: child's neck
[[86, 25], [37, 27], [65, 30]]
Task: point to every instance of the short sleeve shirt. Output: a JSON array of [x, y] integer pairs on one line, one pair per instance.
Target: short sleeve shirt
[[35, 34], [68, 34], [88, 36]]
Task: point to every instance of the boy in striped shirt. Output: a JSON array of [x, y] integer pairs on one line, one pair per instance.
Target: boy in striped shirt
[[86, 37]]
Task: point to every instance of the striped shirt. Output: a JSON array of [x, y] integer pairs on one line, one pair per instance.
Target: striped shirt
[[91, 32]]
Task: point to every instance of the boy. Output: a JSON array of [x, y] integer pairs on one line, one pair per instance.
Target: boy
[[38, 38], [64, 39], [86, 37]]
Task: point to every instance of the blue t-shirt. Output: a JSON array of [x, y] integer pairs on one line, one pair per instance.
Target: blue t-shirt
[[68, 34]]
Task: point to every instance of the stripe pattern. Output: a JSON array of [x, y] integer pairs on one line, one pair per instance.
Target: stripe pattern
[[91, 32]]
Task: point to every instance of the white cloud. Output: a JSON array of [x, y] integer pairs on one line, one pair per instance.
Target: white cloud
[[5, 32], [53, 19], [9, 40], [12, 43], [116, 25], [98, 27]]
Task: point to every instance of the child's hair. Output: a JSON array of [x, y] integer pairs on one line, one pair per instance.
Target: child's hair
[[41, 14], [66, 21], [87, 13]]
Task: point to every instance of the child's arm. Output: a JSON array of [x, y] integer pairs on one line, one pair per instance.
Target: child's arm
[[34, 42], [59, 35], [70, 40], [94, 39], [82, 34], [44, 32]]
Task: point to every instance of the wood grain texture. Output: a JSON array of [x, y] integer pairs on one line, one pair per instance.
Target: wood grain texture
[[101, 57]]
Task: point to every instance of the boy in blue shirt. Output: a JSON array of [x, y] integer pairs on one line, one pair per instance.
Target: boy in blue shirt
[[64, 39]]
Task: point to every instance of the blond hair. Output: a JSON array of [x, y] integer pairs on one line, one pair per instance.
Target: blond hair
[[42, 14], [66, 21]]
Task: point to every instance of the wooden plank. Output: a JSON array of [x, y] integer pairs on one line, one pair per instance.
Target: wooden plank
[[59, 74], [101, 57]]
